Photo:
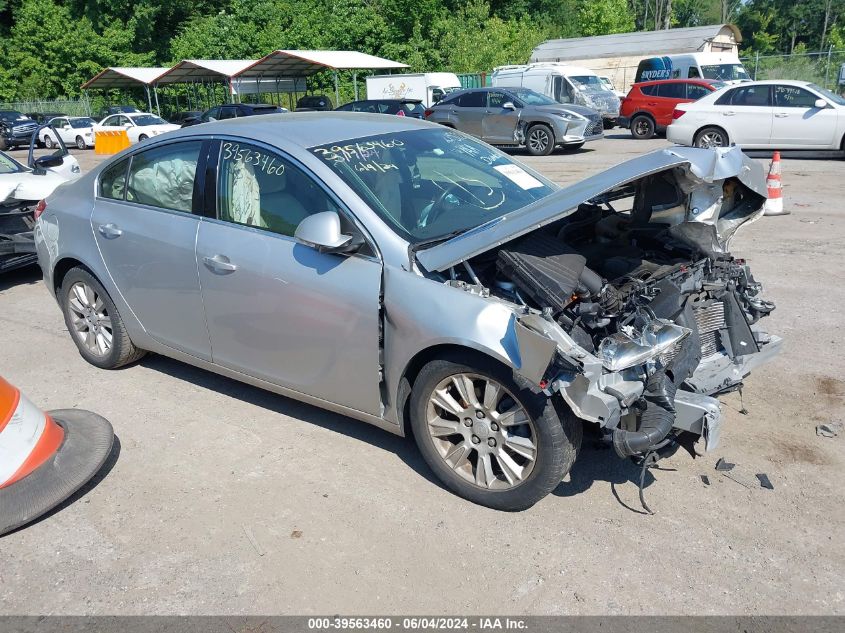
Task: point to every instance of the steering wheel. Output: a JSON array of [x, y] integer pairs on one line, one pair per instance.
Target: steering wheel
[[437, 208]]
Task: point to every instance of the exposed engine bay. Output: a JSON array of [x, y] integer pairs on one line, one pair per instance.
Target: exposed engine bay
[[651, 314]]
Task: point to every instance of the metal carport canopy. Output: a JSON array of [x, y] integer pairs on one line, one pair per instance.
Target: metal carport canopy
[[124, 77], [127, 77], [290, 63], [189, 70]]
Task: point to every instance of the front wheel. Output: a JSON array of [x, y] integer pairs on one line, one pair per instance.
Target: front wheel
[[711, 137], [48, 142], [488, 439], [94, 322], [142, 138], [540, 140]]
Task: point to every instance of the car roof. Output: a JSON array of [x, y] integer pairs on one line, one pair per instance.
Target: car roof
[[685, 80], [772, 82], [307, 129]]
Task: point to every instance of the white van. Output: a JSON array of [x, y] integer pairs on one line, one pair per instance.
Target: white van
[[564, 84], [721, 66], [427, 87]]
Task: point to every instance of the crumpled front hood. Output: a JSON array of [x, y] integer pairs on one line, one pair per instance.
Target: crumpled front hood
[[705, 168]]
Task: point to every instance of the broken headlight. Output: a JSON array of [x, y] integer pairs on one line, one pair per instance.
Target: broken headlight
[[626, 348]]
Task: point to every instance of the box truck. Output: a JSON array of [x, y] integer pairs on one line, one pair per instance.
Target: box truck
[[427, 87], [564, 84], [721, 66]]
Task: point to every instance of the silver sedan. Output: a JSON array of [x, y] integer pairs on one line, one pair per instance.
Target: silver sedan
[[413, 277]]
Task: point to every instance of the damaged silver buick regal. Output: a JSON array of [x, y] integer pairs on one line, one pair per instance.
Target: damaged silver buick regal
[[412, 277]]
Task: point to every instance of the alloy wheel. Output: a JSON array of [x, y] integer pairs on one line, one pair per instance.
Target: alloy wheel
[[91, 322], [481, 431], [538, 139], [711, 139]]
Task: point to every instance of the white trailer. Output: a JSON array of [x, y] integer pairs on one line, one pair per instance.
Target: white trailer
[[427, 87]]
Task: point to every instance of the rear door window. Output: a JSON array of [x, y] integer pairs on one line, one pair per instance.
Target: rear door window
[[473, 100], [672, 91], [164, 176], [746, 96]]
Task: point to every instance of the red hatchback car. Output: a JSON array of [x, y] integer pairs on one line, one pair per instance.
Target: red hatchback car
[[648, 107]]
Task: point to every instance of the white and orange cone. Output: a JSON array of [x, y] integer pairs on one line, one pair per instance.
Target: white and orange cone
[[44, 458], [774, 203]]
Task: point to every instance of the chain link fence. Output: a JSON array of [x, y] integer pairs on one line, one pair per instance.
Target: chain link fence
[[825, 68], [70, 107]]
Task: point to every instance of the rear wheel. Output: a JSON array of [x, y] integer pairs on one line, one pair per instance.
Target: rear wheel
[[540, 140], [142, 138], [642, 127], [488, 439], [711, 137], [94, 323], [80, 142], [48, 141]]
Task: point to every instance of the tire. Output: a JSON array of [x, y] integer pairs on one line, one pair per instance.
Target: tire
[[552, 438], [642, 127], [80, 143], [142, 138], [3, 144], [572, 147], [48, 141], [121, 350], [540, 140], [711, 137]]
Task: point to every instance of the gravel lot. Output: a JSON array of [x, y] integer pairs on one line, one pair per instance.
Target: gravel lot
[[227, 499]]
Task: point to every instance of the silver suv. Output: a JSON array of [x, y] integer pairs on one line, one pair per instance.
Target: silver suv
[[518, 117]]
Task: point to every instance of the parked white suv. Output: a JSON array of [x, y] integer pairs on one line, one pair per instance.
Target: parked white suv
[[763, 115]]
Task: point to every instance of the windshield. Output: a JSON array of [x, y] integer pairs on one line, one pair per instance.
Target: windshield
[[432, 184], [827, 94], [588, 82], [11, 115], [725, 72], [78, 123], [148, 119], [9, 165], [529, 97]]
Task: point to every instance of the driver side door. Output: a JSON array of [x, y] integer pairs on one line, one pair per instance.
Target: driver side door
[[499, 125], [278, 310]]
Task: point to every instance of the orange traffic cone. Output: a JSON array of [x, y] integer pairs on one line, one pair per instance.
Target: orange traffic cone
[[774, 204], [44, 458]]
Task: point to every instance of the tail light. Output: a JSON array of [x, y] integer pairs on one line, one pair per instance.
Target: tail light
[[428, 113], [400, 113], [39, 209], [677, 114]]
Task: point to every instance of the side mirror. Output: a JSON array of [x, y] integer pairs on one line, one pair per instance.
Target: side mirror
[[322, 231], [508, 105], [45, 162], [820, 103]]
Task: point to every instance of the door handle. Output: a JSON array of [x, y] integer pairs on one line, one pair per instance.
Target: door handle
[[651, 103], [781, 115], [220, 264], [110, 230], [728, 113]]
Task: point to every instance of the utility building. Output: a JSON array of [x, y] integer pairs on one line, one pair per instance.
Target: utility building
[[616, 56]]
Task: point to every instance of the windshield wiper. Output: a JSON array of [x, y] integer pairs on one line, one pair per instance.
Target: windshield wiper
[[436, 240]]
